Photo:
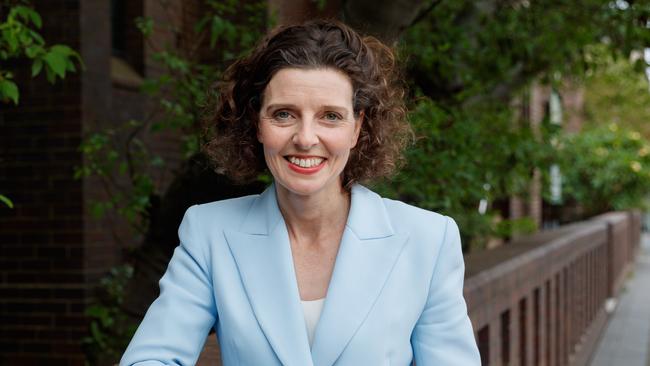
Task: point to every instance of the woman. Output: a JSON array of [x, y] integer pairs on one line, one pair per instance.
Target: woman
[[317, 270]]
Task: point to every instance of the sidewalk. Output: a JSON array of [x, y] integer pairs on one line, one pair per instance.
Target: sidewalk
[[626, 340]]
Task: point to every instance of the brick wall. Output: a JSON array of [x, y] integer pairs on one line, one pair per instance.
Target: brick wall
[[52, 251], [42, 290]]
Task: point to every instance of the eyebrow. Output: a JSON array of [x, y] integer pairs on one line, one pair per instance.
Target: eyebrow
[[334, 108]]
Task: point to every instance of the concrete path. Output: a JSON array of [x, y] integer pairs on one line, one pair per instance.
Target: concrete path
[[626, 340]]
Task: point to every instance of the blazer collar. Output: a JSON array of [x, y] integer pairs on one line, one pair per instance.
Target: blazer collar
[[367, 218], [368, 250]]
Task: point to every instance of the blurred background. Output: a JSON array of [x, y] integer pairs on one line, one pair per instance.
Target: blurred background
[[531, 131]]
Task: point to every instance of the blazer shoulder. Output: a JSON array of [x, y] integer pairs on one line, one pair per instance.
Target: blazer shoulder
[[223, 213], [429, 232], [410, 217]]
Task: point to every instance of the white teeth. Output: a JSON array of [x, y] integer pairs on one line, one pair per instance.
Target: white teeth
[[305, 163]]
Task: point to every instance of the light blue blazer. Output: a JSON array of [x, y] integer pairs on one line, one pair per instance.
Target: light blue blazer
[[396, 293]]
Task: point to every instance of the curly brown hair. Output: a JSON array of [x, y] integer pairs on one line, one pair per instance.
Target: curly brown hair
[[370, 65]]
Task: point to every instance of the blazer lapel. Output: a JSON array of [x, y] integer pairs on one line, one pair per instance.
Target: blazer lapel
[[368, 251], [263, 254]]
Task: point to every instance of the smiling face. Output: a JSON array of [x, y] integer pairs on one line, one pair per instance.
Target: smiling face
[[307, 128]]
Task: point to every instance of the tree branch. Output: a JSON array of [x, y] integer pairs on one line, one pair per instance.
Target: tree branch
[[423, 13]]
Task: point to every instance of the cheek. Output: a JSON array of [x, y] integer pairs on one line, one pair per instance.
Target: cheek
[[342, 143], [271, 140]]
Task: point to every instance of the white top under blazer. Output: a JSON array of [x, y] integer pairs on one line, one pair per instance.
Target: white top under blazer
[[312, 310]]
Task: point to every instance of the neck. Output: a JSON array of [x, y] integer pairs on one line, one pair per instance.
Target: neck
[[311, 218]]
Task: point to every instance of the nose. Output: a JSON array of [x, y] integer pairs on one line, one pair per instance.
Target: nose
[[305, 136]]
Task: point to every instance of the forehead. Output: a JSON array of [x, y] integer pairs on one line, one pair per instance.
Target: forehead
[[323, 85]]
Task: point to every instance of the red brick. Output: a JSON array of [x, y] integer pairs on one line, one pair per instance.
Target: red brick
[[26, 320], [70, 321]]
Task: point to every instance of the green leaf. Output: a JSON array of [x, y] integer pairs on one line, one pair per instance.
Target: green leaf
[[12, 41], [96, 311], [97, 334], [21, 12], [67, 54], [145, 25], [63, 50], [8, 89], [25, 40], [56, 60], [69, 66], [32, 51], [51, 77], [4, 199], [36, 19], [36, 37]]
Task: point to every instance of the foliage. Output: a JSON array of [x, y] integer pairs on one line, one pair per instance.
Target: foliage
[[110, 328], [105, 159], [467, 50], [520, 226], [606, 168], [19, 39], [618, 92], [470, 60], [180, 93], [463, 156]]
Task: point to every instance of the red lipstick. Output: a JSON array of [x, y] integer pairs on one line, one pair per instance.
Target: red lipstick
[[310, 170]]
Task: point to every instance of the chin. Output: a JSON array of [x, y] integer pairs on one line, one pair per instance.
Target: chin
[[304, 187]]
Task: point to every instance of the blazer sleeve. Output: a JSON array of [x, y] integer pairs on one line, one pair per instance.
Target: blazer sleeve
[[177, 323], [443, 334]]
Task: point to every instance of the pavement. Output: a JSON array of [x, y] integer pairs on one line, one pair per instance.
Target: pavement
[[626, 340]]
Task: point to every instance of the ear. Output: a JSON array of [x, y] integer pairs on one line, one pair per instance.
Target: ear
[[259, 133], [357, 128]]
